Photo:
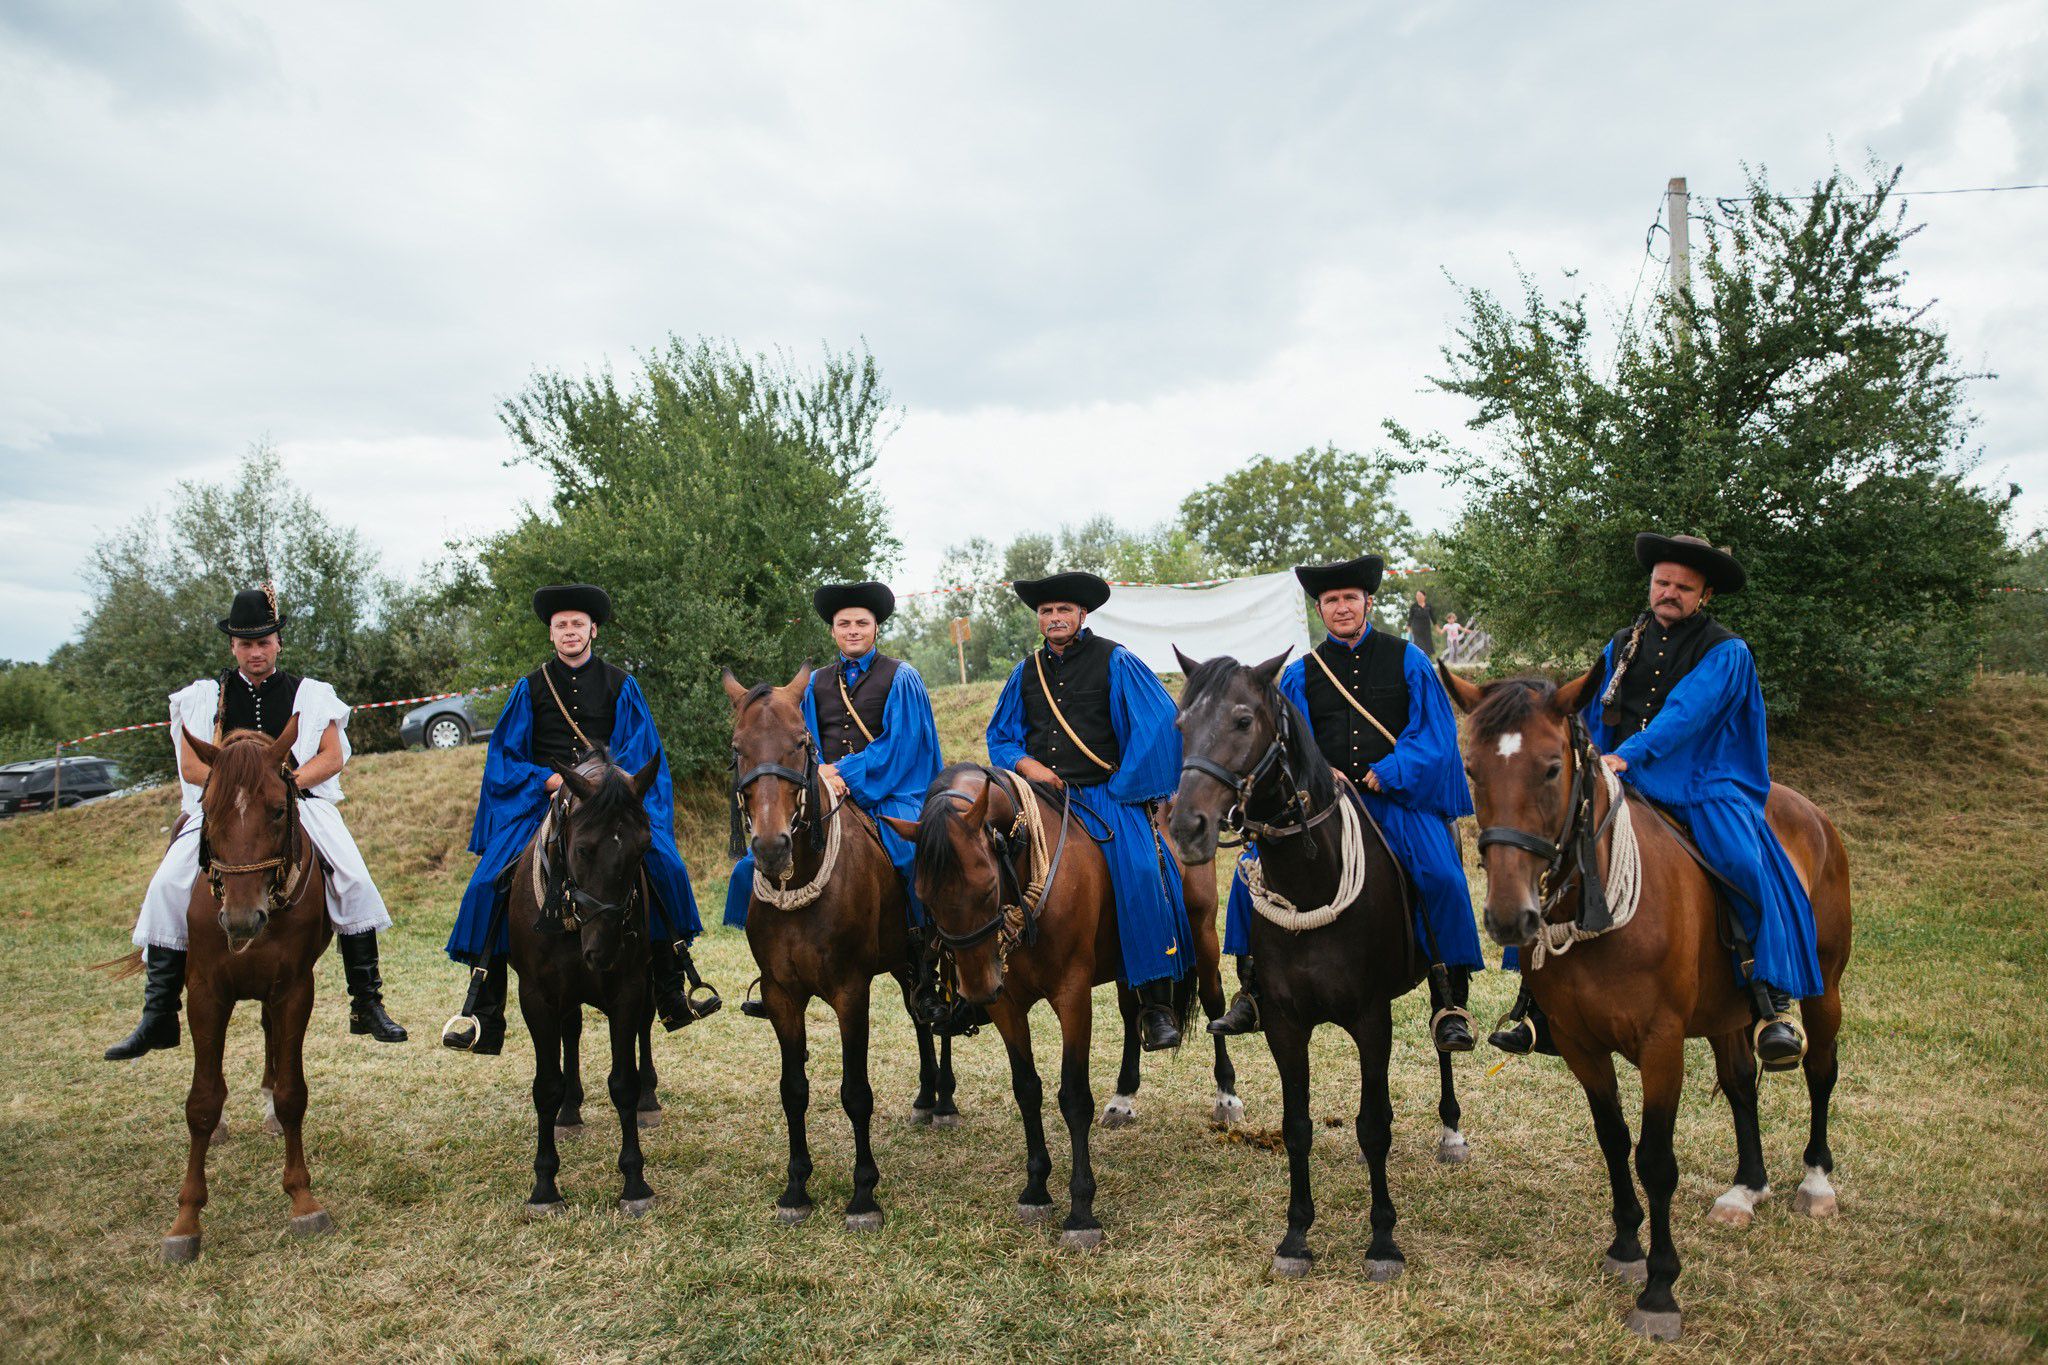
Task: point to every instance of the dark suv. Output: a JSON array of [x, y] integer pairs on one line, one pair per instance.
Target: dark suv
[[34, 786]]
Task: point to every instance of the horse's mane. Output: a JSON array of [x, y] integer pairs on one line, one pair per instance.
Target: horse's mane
[[1508, 704], [614, 801], [1310, 767], [755, 693], [238, 760], [936, 857]]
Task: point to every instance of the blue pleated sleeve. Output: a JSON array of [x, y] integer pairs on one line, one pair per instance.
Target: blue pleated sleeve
[[1709, 739], [1426, 772], [514, 791], [902, 761], [1141, 712], [1006, 731]]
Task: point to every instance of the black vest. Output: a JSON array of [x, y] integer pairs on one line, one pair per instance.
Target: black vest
[[838, 736], [1079, 680], [1373, 673], [591, 693], [267, 707], [1662, 658]]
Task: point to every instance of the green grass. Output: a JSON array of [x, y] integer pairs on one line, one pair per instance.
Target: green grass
[[422, 1155]]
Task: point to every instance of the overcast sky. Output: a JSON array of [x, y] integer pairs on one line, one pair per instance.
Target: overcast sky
[[1103, 253]]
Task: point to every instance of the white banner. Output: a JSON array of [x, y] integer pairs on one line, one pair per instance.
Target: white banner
[[1250, 619]]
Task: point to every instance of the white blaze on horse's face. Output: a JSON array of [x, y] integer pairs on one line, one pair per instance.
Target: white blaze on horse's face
[[1510, 744]]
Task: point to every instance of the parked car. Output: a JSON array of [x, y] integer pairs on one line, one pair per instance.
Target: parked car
[[446, 724], [34, 786]]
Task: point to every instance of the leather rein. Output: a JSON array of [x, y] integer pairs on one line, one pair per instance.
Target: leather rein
[[1295, 815], [1575, 851], [1015, 921]]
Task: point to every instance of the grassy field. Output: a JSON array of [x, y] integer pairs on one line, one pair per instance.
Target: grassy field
[[423, 1155]]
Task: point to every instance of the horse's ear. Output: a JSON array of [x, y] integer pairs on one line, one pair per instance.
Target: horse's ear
[[576, 782], [201, 750], [906, 828], [281, 748], [1572, 695], [977, 810], [794, 692], [1466, 694], [1187, 665], [1270, 669], [643, 781], [735, 690]]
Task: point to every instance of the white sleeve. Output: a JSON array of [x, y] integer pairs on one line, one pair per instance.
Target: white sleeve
[[193, 708], [319, 706]]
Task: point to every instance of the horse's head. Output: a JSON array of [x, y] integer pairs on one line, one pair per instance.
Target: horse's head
[[770, 740], [1230, 730], [959, 876], [1519, 758], [248, 827], [602, 836]]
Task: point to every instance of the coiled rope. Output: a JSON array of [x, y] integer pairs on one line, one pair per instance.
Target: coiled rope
[[786, 898], [1624, 884], [1350, 877]]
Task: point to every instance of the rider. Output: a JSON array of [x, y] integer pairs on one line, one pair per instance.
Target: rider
[[1083, 714], [571, 705], [1680, 716], [256, 695], [1381, 717], [877, 743]]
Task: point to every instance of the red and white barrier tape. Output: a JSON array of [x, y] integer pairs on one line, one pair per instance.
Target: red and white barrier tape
[[1125, 583], [365, 706]]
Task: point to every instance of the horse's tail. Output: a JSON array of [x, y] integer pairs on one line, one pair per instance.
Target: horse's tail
[[1186, 995], [120, 968]]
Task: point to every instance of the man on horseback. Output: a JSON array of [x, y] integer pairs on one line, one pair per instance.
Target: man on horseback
[[1680, 716], [1382, 719], [570, 706], [255, 694], [1082, 714], [877, 743]]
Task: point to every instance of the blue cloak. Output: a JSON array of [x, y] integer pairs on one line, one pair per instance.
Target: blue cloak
[[1151, 912], [514, 798], [887, 777], [1422, 792]]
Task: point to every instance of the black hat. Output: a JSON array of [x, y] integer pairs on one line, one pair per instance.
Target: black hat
[[592, 601], [254, 614], [1362, 573], [1722, 573], [834, 598], [1084, 590]]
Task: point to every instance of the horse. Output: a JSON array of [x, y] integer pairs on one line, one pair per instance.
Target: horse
[[1251, 767], [1663, 976], [257, 922], [841, 924], [577, 914]]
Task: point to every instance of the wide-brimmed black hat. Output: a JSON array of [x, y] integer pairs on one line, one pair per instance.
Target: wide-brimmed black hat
[[1084, 590], [592, 601], [1722, 573], [834, 598], [254, 614], [1363, 573]]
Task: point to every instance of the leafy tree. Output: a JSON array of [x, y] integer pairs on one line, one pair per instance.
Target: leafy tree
[[1790, 404], [1322, 505], [709, 492], [2017, 639]]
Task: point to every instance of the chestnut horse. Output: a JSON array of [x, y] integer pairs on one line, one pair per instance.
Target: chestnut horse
[[1642, 989], [257, 922], [841, 921], [1252, 766]]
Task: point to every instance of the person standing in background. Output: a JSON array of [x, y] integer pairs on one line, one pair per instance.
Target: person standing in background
[[1421, 624]]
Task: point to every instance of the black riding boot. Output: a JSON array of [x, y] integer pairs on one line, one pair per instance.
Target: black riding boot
[[1525, 1030], [1158, 1027], [366, 989], [481, 1025], [163, 983], [673, 997], [1243, 1014], [1780, 1041], [1450, 1027]]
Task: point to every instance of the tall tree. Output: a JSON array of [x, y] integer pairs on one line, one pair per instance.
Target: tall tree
[[1790, 403], [1322, 505]]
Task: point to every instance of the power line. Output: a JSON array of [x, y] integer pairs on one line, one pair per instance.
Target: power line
[[1725, 200]]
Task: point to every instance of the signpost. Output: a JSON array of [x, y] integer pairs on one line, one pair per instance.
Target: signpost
[[962, 630]]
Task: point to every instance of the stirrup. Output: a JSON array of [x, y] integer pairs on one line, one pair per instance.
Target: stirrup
[[1515, 1028], [749, 1006], [1471, 1027], [451, 1032], [1798, 1031], [705, 1005]]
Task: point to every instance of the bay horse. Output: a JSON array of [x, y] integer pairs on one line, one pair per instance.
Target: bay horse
[[1663, 976], [578, 918], [837, 920], [256, 922], [1252, 767]]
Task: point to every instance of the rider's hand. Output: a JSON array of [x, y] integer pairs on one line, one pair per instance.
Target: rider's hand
[[1032, 770], [554, 783], [834, 783], [1372, 780], [1615, 761]]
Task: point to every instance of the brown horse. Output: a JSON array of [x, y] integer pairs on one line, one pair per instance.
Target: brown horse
[[257, 922], [838, 921], [1642, 989]]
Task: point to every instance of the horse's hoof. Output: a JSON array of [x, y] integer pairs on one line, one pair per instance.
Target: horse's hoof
[[1655, 1326], [1034, 1213], [1120, 1112], [921, 1118], [650, 1118], [1291, 1267], [1229, 1110], [272, 1126], [566, 1131], [947, 1120], [1628, 1272], [864, 1222], [1453, 1150], [312, 1224], [220, 1132], [1080, 1239], [554, 1210], [1730, 1215], [181, 1250], [790, 1217], [636, 1208], [1380, 1272], [1814, 1205]]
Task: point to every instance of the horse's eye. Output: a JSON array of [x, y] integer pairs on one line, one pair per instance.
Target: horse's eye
[[1556, 767], [1244, 722]]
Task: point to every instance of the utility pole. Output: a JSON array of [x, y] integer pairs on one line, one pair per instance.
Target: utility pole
[[1676, 201]]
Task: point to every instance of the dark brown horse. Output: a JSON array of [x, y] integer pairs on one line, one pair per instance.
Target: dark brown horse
[[1251, 765], [580, 938], [838, 919], [1642, 989], [257, 923]]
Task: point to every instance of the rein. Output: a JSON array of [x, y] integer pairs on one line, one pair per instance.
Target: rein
[[554, 884], [1015, 923], [1243, 787]]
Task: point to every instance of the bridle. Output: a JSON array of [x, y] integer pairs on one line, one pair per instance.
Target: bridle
[[287, 869], [1296, 814], [805, 782], [1015, 922], [574, 907], [1574, 852]]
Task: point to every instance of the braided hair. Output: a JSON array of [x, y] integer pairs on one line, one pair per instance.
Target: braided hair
[[1608, 713]]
